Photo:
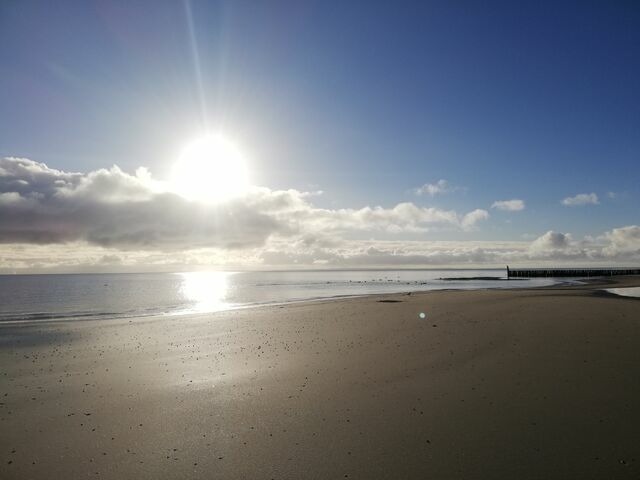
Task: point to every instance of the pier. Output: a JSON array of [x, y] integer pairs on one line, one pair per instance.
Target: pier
[[569, 272]]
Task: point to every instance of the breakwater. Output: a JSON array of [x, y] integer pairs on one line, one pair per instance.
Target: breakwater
[[569, 272]]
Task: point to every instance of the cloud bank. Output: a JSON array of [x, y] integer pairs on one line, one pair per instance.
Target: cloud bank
[[110, 208], [109, 220], [619, 246], [114, 209]]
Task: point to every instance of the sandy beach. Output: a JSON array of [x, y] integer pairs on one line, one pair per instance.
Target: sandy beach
[[527, 384]]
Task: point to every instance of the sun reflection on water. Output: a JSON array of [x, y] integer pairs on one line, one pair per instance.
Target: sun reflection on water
[[205, 291]]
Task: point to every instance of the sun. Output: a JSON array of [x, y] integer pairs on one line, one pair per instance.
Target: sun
[[210, 168]]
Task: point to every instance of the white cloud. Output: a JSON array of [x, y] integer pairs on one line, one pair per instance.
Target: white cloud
[[109, 220], [438, 188], [404, 217], [620, 246], [514, 205], [624, 240], [114, 209], [110, 208], [471, 219], [398, 253], [581, 199], [550, 249], [551, 242], [10, 197]]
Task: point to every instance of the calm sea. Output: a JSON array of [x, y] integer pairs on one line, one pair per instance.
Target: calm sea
[[81, 296]]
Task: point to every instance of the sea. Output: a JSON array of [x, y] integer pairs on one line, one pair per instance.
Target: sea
[[31, 298]]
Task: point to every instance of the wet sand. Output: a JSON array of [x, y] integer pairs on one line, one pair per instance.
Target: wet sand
[[527, 384]]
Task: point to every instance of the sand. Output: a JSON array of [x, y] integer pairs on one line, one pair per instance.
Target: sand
[[527, 384]]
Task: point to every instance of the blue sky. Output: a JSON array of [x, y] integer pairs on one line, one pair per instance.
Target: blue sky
[[365, 101]]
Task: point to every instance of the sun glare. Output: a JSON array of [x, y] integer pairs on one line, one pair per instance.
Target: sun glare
[[206, 291], [210, 168]]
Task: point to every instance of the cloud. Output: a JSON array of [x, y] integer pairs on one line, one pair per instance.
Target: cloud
[[438, 188], [551, 248], [557, 247], [551, 242], [373, 253], [514, 205], [404, 217], [471, 219], [581, 199], [624, 240], [620, 246], [110, 208], [109, 220]]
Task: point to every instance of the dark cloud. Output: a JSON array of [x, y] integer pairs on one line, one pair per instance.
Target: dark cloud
[[113, 209], [110, 208], [108, 218]]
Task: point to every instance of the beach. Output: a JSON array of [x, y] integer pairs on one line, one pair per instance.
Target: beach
[[527, 384]]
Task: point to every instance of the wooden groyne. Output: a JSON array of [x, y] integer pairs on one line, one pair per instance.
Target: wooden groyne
[[569, 272]]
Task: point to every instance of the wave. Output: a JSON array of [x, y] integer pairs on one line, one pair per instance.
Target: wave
[[19, 317]]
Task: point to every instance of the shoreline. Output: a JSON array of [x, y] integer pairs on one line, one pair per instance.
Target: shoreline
[[110, 317], [500, 383]]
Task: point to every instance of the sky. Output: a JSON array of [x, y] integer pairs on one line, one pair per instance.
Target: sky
[[396, 134]]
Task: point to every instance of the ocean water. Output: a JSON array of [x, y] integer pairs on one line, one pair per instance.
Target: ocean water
[[625, 291], [82, 296]]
